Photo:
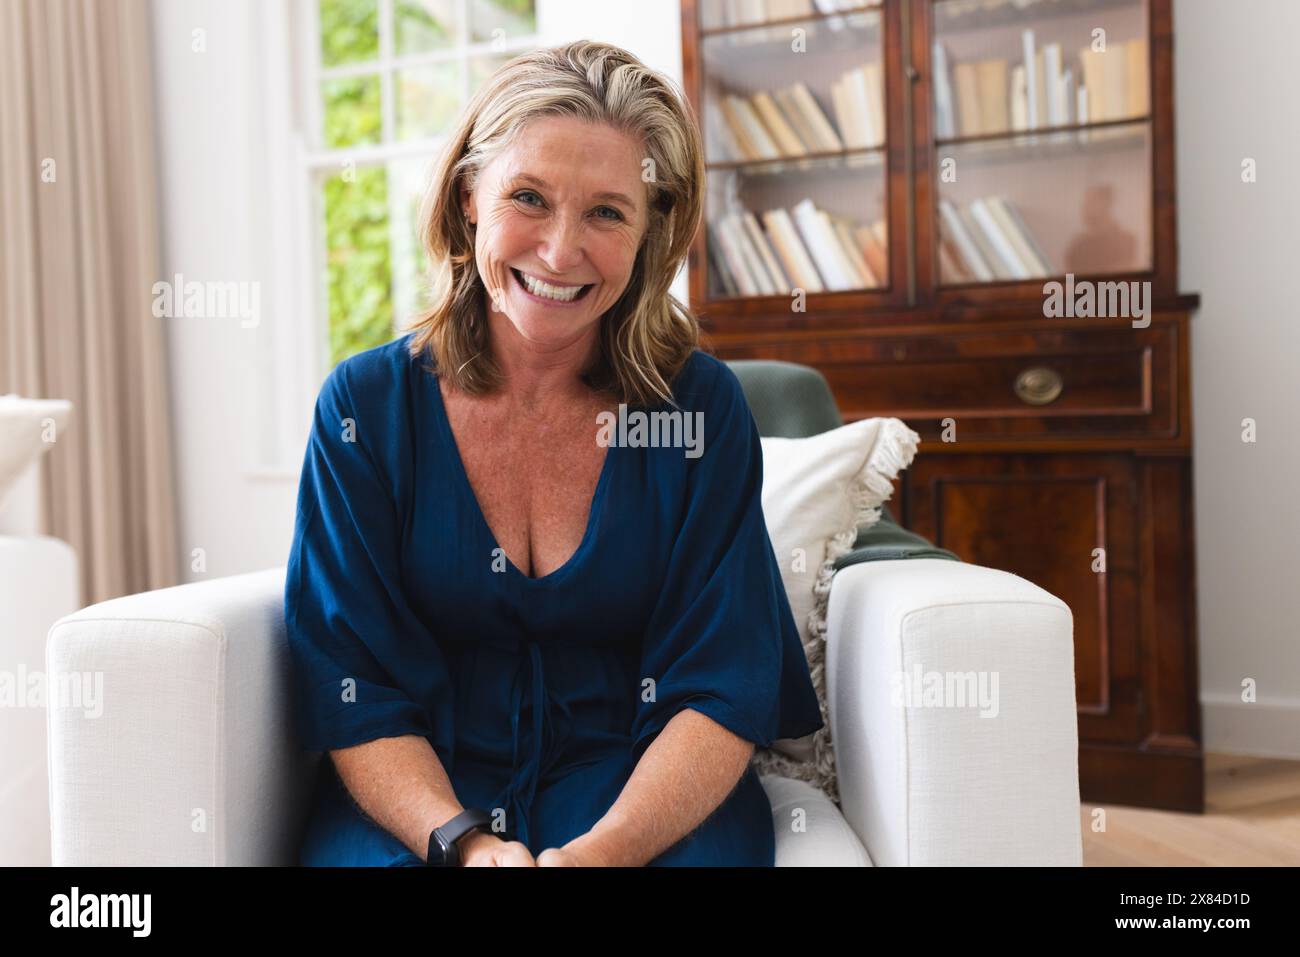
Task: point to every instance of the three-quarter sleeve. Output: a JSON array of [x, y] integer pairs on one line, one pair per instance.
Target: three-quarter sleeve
[[364, 665], [722, 639]]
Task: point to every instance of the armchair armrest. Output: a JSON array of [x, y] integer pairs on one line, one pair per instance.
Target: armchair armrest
[[189, 755], [933, 782]]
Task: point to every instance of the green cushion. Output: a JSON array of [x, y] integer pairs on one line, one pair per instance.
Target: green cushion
[[793, 401]]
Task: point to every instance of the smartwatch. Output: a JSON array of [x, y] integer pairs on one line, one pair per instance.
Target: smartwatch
[[443, 849]]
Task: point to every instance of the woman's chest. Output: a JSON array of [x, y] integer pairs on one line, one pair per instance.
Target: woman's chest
[[533, 484]]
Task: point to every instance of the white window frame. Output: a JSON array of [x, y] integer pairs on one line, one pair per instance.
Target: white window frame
[[318, 162], [296, 365]]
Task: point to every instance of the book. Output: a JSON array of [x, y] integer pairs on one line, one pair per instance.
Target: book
[[816, 119], [852, 130], [994, 114], [992, 245], [1010, 228], [746, 269], [972, 258], [944, 127], [874, 252], [871, 88], [1139, 78], [780, 283], [1051, 84], [787, 141], [1040, 258], [844, 228], [718, 265], [755, 134], [966, 79], [820, 241], [743, 148], [845, 263], [1019, 99], [794, 116], [792, 252], [750, 254], [1031, 79]]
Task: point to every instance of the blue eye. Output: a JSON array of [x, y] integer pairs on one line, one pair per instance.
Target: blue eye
[[617, 217]]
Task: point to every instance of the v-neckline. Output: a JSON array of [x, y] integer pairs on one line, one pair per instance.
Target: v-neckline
[[597, 498]]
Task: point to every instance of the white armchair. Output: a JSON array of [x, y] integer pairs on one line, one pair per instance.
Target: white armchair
[[193, 760]]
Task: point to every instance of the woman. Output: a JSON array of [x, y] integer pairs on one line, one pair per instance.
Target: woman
[[494, 598]]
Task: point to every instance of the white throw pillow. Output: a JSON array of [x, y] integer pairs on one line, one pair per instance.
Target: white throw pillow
[[26, 430], [817, 493]]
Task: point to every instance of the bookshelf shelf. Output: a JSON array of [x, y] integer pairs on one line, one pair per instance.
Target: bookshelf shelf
[[909, 125], [1026, 137], [785, 22], [957, 15], [863, 157]]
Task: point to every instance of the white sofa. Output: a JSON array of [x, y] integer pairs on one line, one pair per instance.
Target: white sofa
[[193, 760], [39, 583]]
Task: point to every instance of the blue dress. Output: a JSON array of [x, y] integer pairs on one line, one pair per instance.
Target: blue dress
[[539, 695]]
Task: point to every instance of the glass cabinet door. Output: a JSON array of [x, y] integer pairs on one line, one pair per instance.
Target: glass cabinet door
[[1042, 139], [794, 120]]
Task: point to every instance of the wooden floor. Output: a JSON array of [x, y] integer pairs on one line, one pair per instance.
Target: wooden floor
[[1251, 819]]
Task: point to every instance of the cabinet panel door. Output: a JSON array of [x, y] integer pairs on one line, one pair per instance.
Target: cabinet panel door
[[1068, 524]]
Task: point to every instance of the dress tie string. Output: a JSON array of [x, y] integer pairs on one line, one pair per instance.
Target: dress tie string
[[517, 799]]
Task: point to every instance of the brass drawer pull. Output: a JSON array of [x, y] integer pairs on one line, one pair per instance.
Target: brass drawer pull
[[1038, 385]]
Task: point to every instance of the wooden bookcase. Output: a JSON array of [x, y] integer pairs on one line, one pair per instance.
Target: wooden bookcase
[[1057, 447]]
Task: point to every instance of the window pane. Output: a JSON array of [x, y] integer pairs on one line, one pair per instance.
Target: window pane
[[357, 261], [514, 18], [407, 179], [428, 99], [351, 116], [424, 25], [349, 31], [482, 67]]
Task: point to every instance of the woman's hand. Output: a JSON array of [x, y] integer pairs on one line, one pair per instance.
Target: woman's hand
[[580, 852], [482, 849]]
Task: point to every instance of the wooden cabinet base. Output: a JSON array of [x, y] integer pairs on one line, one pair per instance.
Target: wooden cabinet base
[[1168, 780], [1088, 494]]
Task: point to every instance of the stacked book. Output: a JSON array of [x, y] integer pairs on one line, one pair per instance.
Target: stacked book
[[801, 248], [985, 241], [737, 13], [790, 122], [1042, 90]]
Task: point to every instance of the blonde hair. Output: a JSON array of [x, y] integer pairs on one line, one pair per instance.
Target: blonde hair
[[647, 335]]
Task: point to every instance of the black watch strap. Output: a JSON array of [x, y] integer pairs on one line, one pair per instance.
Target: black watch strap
[[444, 851]]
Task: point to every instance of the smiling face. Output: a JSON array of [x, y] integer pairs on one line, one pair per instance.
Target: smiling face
[[559, 216]]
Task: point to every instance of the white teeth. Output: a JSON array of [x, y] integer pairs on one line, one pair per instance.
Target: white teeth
[[547, 291]]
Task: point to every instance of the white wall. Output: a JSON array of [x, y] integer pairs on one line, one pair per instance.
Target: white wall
[[1236, 97], [216, 223], [221, 200]]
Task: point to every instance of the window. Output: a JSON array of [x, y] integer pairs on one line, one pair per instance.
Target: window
[[384, 83]]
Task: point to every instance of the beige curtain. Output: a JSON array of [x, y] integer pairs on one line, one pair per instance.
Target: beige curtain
[[79, 253]]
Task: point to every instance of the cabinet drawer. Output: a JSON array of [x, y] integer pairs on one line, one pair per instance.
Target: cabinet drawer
[[1110, 382]]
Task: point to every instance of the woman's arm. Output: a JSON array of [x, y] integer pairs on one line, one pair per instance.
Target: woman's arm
[[689, 769], [401, 785]]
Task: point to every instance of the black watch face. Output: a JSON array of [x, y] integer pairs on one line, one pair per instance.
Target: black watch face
[[439, 853]]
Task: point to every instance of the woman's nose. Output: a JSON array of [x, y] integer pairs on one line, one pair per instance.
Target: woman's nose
[[561, 247]]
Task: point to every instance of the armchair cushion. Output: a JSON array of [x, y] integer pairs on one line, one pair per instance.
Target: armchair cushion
[[817, 493]]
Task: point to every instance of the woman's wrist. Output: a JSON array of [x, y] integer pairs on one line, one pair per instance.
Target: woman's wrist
[[475, 842], [603, 846]]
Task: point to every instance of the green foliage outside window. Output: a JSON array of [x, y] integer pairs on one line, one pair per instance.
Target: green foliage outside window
[[358, 262]]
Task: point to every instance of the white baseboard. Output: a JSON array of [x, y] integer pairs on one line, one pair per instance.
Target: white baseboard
[[1264, 729]]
